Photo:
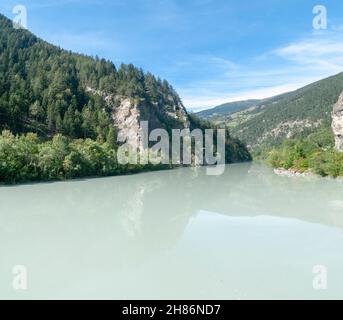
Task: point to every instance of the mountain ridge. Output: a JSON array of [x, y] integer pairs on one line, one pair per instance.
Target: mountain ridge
[[60, 112], [226, 109], [289, 115], [45, 89]]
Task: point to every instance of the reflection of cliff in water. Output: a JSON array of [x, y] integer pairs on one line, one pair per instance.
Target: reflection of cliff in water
[[137, 217], [136, 210]]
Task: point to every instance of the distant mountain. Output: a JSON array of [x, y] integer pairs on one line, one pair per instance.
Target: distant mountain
[[47, 90], [226, 109], [290, 115]]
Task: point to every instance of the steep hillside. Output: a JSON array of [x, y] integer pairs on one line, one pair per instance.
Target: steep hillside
[[61, 97], [48, 90], [291, 115]]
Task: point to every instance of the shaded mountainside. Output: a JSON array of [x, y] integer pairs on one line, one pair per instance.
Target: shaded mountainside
[[60, 112], [291, 115]]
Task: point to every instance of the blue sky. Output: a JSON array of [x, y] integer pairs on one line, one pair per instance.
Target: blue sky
[[211, 51]]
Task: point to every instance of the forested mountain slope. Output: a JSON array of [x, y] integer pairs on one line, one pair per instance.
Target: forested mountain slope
[[48, 90], [75, 105], [226, 109], [291, 115]]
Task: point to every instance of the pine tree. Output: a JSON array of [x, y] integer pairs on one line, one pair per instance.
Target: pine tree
[[111, 138]]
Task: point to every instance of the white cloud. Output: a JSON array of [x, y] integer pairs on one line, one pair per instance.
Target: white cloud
[[201, 103], [284, 69], [311, 48], [323, 54]]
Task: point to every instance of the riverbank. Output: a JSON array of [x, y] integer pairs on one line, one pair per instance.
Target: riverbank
[[290, 173], [315, 154], [29, 158], [293, 173]]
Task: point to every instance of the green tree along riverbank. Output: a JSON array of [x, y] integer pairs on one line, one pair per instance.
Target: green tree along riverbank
[[60, 111], [315, 153], [25, 158]]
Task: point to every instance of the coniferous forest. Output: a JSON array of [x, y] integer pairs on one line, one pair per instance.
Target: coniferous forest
[[43, 89], [54, 126]]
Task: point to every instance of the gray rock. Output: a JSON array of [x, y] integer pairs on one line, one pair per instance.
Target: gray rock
[[337, 123], [127, 114]]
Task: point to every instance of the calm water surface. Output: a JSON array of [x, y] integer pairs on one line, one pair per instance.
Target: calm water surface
[[175, 234]]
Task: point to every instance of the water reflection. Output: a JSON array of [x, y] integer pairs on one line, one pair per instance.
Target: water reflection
[[108, 237]]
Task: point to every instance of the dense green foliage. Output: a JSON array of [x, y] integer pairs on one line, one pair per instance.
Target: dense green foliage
[[25, 158], [43, 89], [315, 153], [55, 112], [235, 150]]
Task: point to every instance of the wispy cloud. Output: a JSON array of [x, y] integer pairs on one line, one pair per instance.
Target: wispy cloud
[[283, 69], [323, 54], [204, 102]]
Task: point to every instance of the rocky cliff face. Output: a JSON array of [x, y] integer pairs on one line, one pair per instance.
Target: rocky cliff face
[[337, 123], [127, 114]]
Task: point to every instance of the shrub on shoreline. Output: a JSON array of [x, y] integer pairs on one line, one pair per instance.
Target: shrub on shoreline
[[315, 153], [26, 158]]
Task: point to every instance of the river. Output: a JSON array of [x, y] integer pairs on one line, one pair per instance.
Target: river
[[179, 234]]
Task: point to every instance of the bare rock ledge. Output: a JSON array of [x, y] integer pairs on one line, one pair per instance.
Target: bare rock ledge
[[337, 123]]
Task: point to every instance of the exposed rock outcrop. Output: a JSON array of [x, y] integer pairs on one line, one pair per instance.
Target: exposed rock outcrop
[[126, 118], [337, 123], [127, 114]]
